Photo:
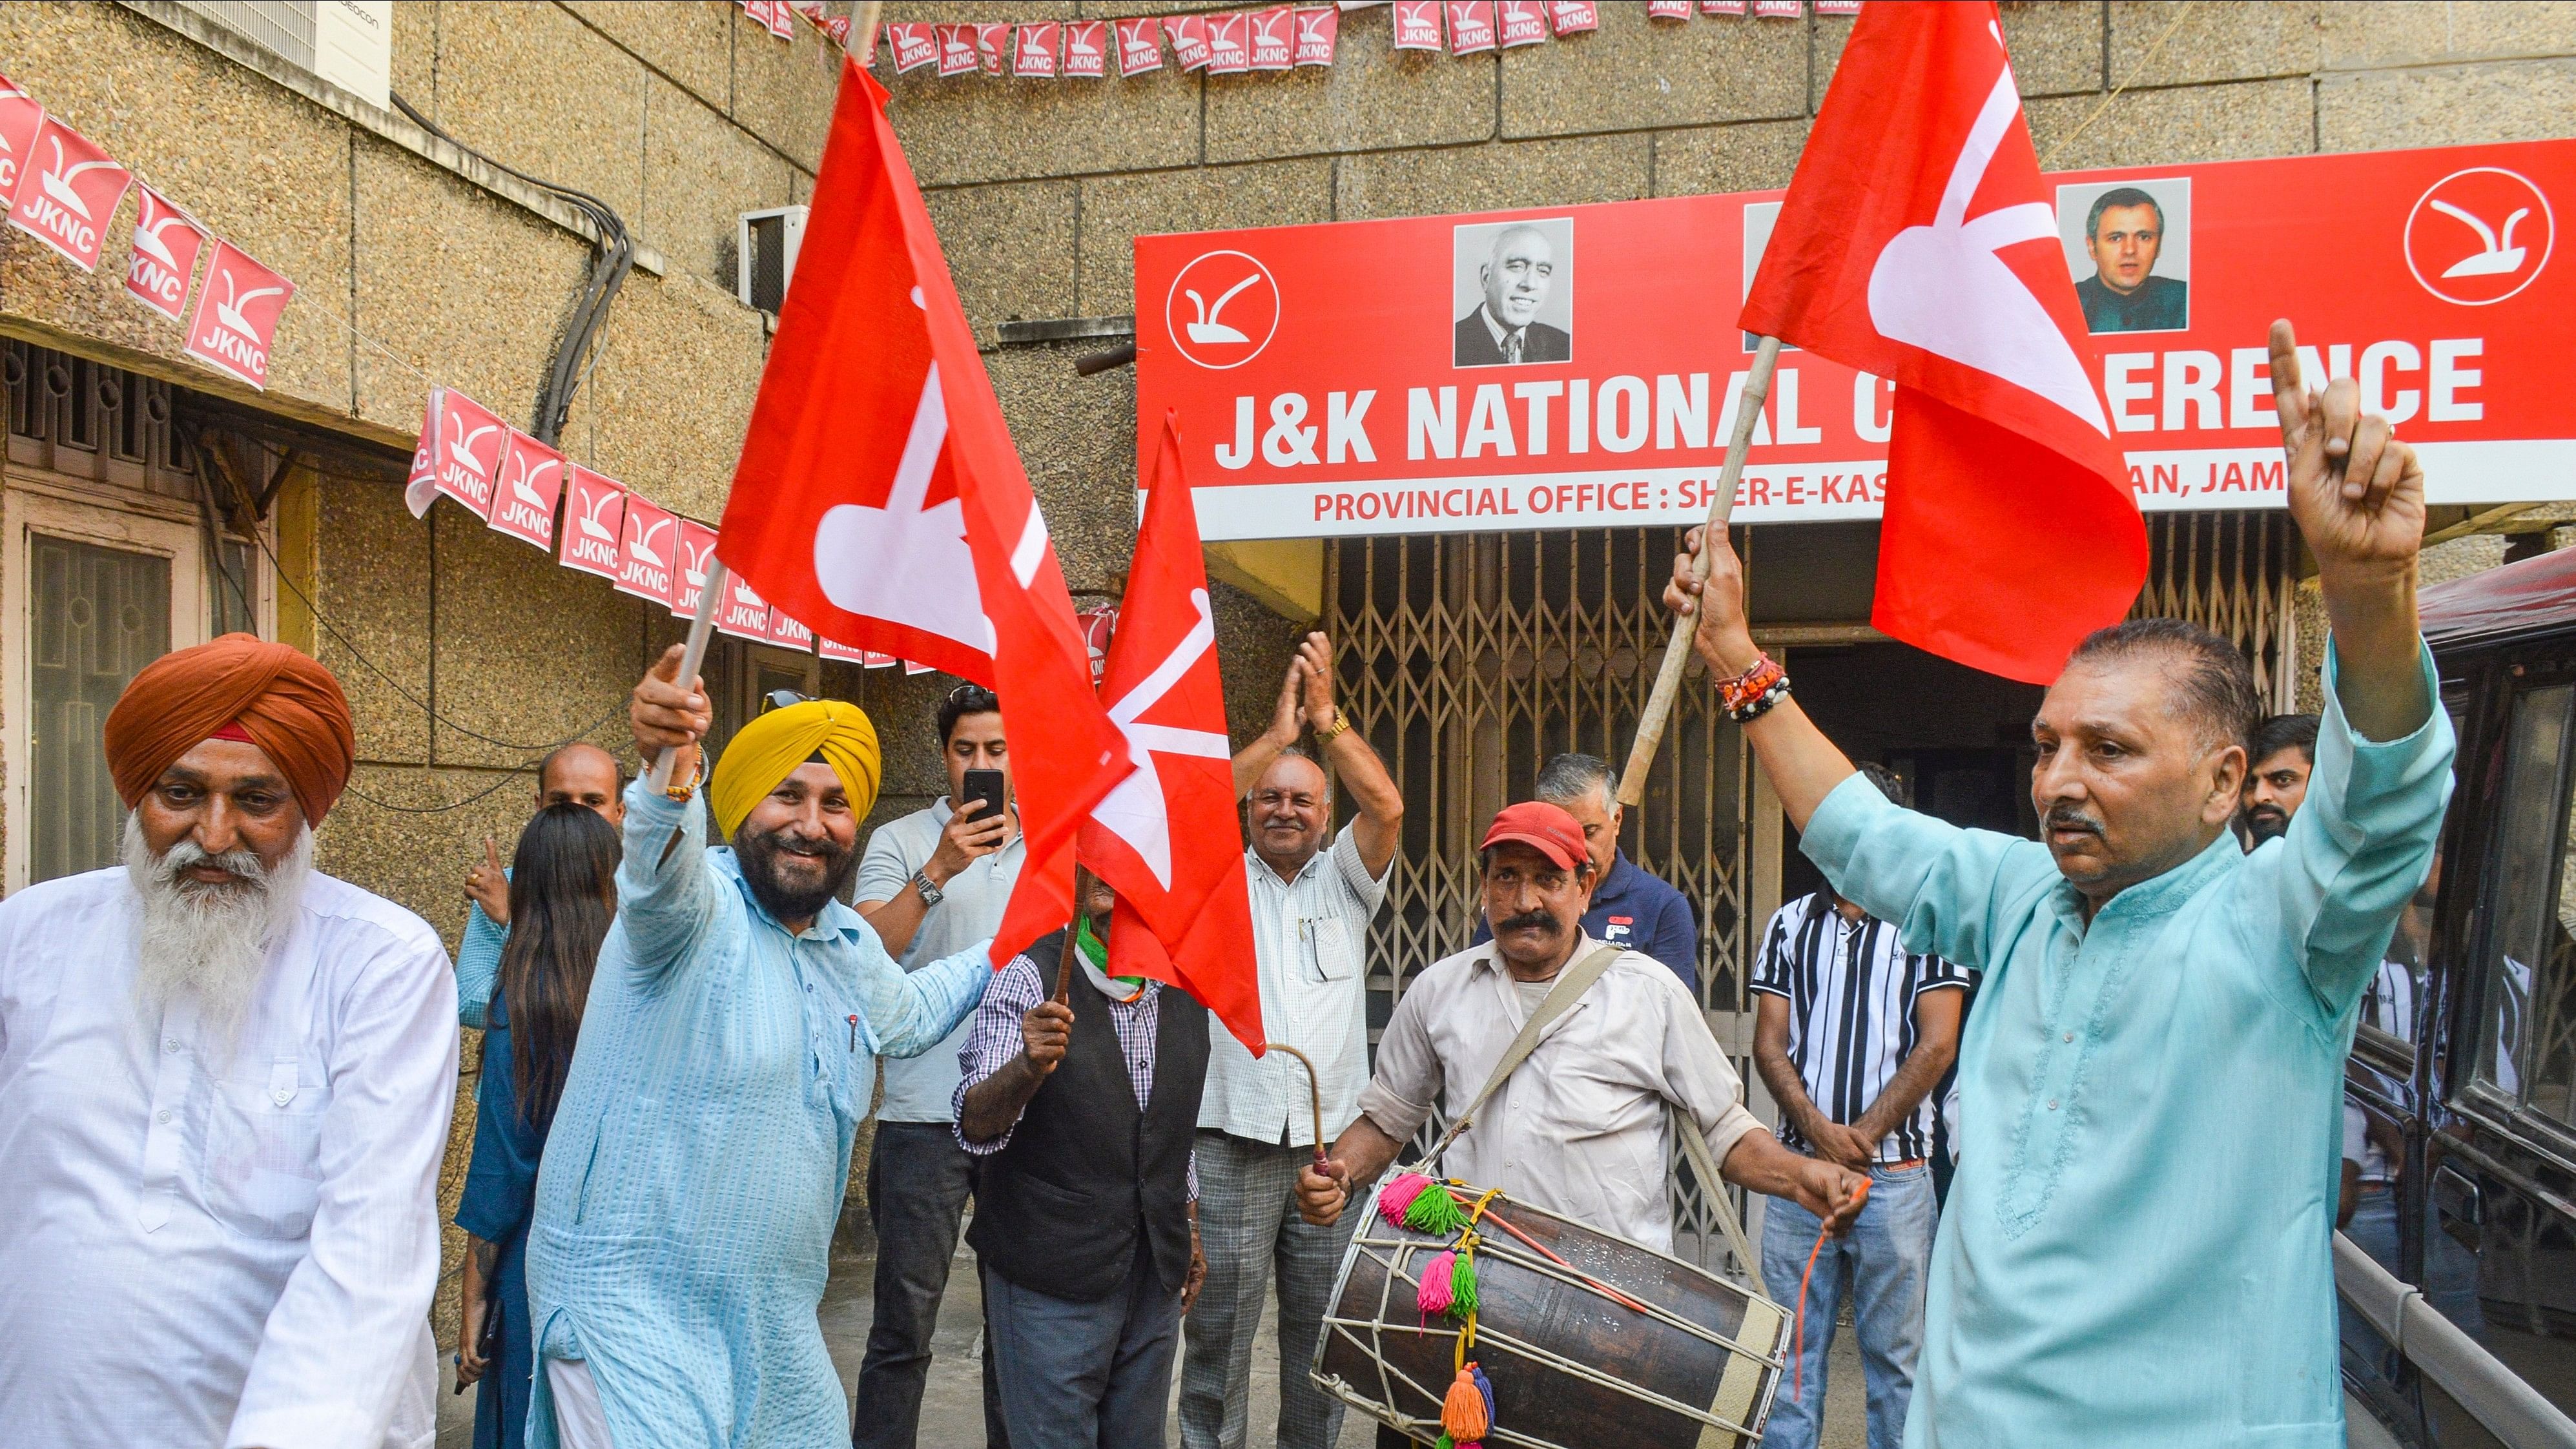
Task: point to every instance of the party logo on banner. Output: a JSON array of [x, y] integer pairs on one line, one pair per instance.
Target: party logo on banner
[[1084, 57], [646, 548], [956, 49], [1140, 45], [916, 44], [238, 305], [532, 477], [1274, 38], [697, 553], [464, 445], [1471, 26], [594, 515], [744, 613], [1097, 624], [1318, 27], [1189, 40], [1524, 22], [1417, 24], [1033, 50], [72, 192], [1673, 9], [1231, 329], [20, 119], [992, 45], [2480, 235], [1229, 44], [1573, 17], [1779, 9], [841, 652], [166, 244], [787, 633]]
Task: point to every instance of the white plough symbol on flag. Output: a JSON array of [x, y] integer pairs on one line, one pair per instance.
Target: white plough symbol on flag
[[906, 563], [1135, 811]]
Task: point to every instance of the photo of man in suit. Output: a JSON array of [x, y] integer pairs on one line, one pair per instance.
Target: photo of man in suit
[[2124, 234], [1503, 330]]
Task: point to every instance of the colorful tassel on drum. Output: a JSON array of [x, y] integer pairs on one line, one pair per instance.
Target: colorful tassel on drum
[[1462, 1286], [1464, 1415], [1434, 1211], [1437, 1293], [1400, 1192], [1484, 1386]]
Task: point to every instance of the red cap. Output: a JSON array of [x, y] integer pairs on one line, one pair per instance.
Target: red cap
[[1544, 828]]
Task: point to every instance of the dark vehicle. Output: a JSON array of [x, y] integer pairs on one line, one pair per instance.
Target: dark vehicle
[[2460, 1096]]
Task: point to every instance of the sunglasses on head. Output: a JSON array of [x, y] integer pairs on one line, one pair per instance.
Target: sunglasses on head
[[782, 699]]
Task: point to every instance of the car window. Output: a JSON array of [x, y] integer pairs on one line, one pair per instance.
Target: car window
[[2527, 1038]]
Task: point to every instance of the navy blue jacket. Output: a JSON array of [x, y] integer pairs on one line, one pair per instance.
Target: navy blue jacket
[[1639, 911]]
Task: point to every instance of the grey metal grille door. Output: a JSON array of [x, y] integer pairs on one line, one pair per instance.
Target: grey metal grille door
[[98, 616]]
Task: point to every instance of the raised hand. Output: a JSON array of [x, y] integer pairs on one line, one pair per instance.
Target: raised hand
[[1315, 654], [1288, 720], [1723, 638], [2355, 490], [663, 713], [487, 887]]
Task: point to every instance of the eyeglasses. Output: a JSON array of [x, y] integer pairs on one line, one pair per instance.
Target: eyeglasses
[[782, 699]]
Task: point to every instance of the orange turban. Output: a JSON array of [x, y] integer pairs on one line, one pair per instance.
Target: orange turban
[[276, 696]]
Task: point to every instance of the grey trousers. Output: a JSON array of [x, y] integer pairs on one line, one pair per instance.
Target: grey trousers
[[1250, 1231], [1085, 1375]]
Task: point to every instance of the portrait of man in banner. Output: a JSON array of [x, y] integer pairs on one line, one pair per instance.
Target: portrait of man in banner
[[1513, 293], [2128, 247]]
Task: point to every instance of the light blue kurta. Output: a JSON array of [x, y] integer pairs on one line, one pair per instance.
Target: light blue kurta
[[2136, 1249], [695, 1169]]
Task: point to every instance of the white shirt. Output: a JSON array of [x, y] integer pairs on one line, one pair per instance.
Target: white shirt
[[918, 1089], [1310, 945], [1581, 1128], [202, 1253]]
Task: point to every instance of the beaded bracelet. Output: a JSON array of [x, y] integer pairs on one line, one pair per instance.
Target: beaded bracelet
[[1761, 706], [1747, 691]]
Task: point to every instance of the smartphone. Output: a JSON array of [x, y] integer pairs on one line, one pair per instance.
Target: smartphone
[[984, 785]]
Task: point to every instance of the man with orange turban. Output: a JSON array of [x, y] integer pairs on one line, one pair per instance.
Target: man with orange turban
[[694, 1172], [225, 1083]]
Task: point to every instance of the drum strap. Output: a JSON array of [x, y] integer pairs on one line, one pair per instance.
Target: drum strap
[[1704, 1167]]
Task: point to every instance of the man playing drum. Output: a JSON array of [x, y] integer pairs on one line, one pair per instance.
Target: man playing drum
[[2135, 1248]]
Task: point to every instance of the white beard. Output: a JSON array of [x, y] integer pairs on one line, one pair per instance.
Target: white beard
[[210, 943]]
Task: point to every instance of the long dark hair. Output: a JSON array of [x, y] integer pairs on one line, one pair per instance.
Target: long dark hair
[[563, 894]]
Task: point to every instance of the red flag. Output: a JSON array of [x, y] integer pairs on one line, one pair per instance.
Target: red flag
[[1917, 242], [1166, 839], [877, 480], [532, 479], [594, 518], [20, 118], [237, 309], [166, 243]]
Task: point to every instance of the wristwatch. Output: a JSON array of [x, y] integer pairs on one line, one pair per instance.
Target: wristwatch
[[930, 894], [1340, 726]]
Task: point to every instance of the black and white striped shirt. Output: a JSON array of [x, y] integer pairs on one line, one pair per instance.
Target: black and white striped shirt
[[1851, 989]]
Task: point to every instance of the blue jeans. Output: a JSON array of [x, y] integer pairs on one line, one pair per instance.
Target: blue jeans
[[1884, 1261]]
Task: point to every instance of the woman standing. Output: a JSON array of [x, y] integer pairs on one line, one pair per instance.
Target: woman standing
[[563, 894]]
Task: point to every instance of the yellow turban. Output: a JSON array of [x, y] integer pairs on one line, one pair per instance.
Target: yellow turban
[[769, 749]]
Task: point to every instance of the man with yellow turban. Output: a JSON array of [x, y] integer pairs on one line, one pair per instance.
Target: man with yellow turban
[[695, 1169], [225, 1082]]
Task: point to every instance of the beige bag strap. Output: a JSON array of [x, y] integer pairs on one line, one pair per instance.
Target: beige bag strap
[[1704, 1167], [1570, 986]]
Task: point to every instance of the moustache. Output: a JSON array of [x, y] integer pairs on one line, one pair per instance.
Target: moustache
[[817, 847], [243, 865], [1527, 921], [2063, 817]]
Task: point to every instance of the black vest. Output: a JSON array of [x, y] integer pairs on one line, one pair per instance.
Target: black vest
[[1057, 1211]]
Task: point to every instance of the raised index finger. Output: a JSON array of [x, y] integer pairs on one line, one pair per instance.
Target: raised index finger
[[2288, 397]]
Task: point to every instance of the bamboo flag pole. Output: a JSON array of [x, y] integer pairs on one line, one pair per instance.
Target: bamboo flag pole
[[1749, 401], [863, 24], [700, 625]]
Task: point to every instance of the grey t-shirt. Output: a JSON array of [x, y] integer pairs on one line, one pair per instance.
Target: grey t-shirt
[[919, 1089]]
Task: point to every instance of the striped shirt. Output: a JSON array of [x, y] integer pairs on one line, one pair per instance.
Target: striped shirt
[[1851, 988]]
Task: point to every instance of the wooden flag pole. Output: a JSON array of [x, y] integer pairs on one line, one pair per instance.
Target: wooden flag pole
[[1749, 401], [701, 624], [863, 24]]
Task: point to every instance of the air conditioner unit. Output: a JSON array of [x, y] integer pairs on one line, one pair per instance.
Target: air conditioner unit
[[766, 256]]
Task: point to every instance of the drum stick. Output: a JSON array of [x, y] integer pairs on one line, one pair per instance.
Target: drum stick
[[700, 625], [1668, 679], [1314, 1095]]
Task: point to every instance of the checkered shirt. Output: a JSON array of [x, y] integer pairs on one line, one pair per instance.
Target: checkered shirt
[[995, 1039]]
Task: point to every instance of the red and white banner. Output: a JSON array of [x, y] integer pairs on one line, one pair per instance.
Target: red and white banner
[[956, 49], [1522, 22], [1229, 43], [786, 633], [1723, 7], [1779, 9], [73, 191], [1417, 24], [2456, 331], [916, 44], [697, 550], [594, 518], [1573, 17], [992, 45], [166, 244], [1189, 40], [1274, 38], [1318, 30], [1033, 50], [532, 478], [460, 453], [1086, 49], [238, 305], [20, 119], [1140, 45], [1670, 9], [646, 548], [1471, 26], [742, 612]]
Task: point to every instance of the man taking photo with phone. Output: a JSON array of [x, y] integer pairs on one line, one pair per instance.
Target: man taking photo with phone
[[931, 884]]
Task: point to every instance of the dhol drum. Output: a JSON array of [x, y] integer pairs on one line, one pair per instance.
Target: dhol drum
[[1585, 1341]]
